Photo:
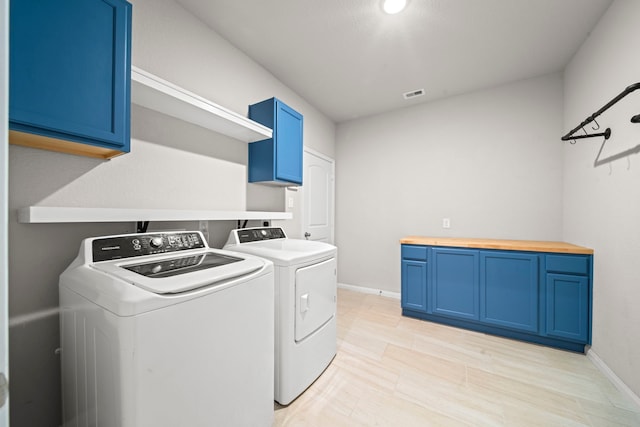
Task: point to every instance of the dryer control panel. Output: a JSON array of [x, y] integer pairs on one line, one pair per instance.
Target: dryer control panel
[[134, 245], [247, 235]]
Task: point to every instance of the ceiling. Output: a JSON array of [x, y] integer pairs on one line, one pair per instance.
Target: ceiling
[[349, 59]]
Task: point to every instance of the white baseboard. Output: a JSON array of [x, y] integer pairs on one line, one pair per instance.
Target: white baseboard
[[620, 385], [365, 290]]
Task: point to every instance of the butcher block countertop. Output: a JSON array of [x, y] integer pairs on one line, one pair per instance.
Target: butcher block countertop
[[509, 245]]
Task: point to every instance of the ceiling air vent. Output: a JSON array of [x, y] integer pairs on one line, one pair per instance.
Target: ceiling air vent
[[413, 93]]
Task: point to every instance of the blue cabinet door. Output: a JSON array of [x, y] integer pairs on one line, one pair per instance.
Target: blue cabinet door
[[454, 284], [567, 307], [509, 290], [414, 285], [70, 72], [277, 160], [288, 144]]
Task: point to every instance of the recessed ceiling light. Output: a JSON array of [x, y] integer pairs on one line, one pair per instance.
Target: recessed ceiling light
[[394, 6]]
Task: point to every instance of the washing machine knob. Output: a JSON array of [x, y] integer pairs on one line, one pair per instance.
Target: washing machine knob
[[155, 242]]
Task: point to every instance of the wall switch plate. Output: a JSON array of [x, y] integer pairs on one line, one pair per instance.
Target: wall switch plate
[[290, 202], [446, 223]]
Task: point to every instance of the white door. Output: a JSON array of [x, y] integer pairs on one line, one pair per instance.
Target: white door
[[318, 197], [4, 101]]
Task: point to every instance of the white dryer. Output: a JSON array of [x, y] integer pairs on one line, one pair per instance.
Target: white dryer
[[158, 330], [305, 304]]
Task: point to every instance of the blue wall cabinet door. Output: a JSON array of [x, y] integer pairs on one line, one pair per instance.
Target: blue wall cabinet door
[[454, 283], [509, 290], [414, 285], [277, 160], [567, 307], [70, 75]]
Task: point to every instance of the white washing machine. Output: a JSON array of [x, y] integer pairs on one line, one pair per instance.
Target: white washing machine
[[159, 330], [305, 304]]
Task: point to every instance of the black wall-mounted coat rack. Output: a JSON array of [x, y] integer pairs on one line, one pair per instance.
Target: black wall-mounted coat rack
[[592, 118]]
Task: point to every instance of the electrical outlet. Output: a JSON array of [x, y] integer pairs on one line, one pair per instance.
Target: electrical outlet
[[446, 223]]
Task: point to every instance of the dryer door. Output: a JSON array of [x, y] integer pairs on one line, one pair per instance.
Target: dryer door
[[315, 297]]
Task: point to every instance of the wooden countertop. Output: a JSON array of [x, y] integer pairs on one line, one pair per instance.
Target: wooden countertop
[[509, 245]]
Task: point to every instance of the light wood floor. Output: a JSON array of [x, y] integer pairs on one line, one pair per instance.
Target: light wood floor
[[396, 371]]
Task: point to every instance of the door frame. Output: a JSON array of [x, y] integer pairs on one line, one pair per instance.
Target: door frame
[[4, 194], [332, 198]]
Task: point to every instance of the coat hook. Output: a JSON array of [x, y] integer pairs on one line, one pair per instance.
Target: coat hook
[[597, 124], [591, 118]]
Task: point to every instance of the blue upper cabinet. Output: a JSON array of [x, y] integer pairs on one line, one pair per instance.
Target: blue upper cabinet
[[277, 160], [69, 76]]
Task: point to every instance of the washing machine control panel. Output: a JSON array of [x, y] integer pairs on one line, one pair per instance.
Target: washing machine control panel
[[134, 245], [248, 235]]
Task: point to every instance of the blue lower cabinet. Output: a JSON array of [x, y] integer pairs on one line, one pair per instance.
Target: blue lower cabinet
[[454, 290], [69, 76], [531, 296], [509, 290], [567, 307]]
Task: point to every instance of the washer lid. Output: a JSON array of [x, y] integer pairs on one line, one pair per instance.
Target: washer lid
[[286, 251], [176, 274]]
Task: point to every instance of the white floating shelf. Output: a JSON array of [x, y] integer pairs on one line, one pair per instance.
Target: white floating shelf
[[152, 92], [44, 214]]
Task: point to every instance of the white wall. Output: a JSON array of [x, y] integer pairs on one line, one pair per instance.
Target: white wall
[[171, 165], [172, 44], [491, 161], [602, 203]]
